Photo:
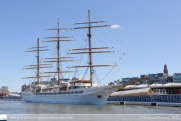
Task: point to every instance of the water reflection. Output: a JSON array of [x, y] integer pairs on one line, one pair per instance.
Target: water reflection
[[14, 107]]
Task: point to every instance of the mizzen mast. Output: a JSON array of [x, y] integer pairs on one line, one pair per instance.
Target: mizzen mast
[[90, 48]]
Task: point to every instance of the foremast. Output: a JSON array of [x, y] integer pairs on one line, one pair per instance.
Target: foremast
[[90, 48], [38, 65]]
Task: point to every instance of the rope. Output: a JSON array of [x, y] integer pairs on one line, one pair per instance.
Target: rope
[[118, 46], [104, 53], [111, 56], [118, 54], [76, 48], [110, 60]]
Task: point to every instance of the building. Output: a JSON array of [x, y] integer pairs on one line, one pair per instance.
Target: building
[[118, 81], [159, 78], [177, 78], [144, 81], [5, 88], [25, 87], [125, 80], [165, 70]]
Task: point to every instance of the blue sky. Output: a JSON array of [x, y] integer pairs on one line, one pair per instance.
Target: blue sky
[[149, 34]]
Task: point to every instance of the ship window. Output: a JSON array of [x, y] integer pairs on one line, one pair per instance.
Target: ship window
[[81, 91], [76, 92], [60, 93], [64, 92], [72, 92], [68, 92]]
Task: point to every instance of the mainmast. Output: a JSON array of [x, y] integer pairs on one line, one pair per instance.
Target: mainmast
[[90, 54], [58, 55], [38, 66], [59, 58], [90, 48], [38, 57]]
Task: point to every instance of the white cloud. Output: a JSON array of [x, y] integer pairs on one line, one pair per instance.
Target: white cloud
[[115, 26]]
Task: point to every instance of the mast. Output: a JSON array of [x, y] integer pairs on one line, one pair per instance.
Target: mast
[[58, 55], [59, 58], [38, 65], [90, 54], [38, 61], [90, 47]]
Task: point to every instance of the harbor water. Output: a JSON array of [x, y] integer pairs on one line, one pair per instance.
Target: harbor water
[[21, 108]]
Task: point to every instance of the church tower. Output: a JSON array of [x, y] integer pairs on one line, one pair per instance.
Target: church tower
[[165, 69]]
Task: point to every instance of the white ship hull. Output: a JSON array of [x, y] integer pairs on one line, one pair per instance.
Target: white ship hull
[[89, 96]]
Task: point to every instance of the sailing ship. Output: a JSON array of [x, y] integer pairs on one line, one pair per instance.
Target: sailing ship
[[71, 91]]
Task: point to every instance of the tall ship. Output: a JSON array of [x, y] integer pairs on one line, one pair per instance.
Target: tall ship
[[71, 91]]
